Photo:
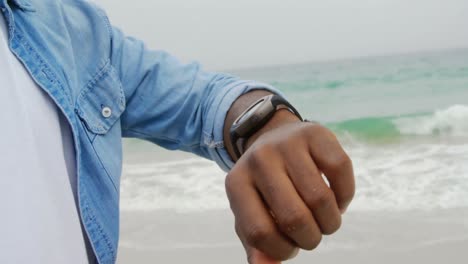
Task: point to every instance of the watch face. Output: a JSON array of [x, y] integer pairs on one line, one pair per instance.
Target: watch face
[[250, 112]]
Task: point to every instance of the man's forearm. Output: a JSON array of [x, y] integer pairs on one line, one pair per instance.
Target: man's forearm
[[240, 105]]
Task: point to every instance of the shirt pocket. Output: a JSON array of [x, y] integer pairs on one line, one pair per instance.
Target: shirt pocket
[[99, 107], [102, 102]]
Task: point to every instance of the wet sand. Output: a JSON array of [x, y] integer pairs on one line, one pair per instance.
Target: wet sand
[[438, 236]]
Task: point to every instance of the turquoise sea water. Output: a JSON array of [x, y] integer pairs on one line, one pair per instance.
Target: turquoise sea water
[[403, 120], [377, 87]]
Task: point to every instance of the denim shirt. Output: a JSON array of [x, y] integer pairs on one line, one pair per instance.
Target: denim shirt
[[110, 86]]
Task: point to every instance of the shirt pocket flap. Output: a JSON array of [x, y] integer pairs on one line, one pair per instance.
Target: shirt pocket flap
[[102, 102]]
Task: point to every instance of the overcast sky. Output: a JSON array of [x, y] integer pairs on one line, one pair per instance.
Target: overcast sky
[[225, 34]]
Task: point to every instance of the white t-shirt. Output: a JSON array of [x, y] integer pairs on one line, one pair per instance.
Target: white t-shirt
[[39, 220]]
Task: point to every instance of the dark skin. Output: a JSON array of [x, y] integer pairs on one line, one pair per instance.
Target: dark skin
[[276, 191]]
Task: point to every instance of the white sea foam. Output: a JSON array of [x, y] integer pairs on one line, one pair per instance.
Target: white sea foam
[[186, 185], [408, 175], [452, 121], [411, 176]]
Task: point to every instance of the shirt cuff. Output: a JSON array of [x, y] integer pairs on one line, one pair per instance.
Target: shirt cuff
[[213, 135]]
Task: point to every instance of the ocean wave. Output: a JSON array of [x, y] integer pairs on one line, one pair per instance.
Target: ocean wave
[[184, 186], [394, 177], [410, 176], [452, 121], [449, 122], [427, 173]]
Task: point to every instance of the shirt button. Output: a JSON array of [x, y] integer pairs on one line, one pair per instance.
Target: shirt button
[[106, 112]]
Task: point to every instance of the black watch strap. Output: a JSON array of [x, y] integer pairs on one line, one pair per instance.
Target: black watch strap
[[254, 118]]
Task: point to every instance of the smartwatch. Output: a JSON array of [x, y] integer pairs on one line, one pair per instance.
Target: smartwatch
[[254, 118]]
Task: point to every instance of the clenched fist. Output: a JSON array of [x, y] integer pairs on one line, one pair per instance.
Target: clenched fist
[[280, 200]]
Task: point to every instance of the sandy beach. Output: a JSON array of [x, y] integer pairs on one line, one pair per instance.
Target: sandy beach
[[436, 236]]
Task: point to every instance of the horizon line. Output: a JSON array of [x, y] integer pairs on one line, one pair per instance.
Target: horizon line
[[341, 59]]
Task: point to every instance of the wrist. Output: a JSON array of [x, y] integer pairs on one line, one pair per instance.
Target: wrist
[[253, 115], [279, 119], [242, 103]]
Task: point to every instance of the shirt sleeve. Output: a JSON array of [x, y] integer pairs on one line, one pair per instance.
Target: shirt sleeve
[[175, 105]]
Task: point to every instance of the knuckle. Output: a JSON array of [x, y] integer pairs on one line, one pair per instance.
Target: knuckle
[[230, 183], [315, 242], [339, 161], [294, 138], [349, 195], [288, 254], [293, 220], [256, 235], [238, 229], [332, 227], [314, 130], [259, 153], [320, 199]]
